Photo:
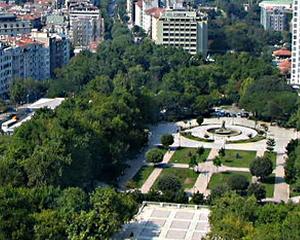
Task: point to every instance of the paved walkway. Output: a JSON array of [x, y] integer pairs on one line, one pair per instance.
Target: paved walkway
[[260, 153], [282, 137], [139, 160], [281, 188], [207, 170], [155, 174], [214, 152]]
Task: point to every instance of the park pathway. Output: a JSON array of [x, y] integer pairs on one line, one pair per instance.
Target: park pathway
[[207, 170], [281, 188], [156, 172]]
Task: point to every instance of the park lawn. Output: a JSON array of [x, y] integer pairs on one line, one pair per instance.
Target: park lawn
[[186, 176], [245, 158], [293, 191], [141, 176], [269, 185], [182, 155], [221, 178], [272, 156]]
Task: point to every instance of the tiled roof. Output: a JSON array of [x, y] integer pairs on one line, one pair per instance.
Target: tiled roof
[[282, 53], [155, 12]]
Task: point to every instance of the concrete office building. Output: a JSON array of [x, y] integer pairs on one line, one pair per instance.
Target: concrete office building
[[182, 28], [274, 15]]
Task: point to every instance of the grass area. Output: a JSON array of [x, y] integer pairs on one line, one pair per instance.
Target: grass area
[[238, 158], [141, 176], [182, 155], [254, 139], [221, 178], [186, 176], [272, 156], [293, 190], [192, 137], [269, 185]]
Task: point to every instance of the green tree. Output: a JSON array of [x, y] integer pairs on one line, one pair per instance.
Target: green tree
[[257, 190], [154, 155], [167, 140], [238, 182], [198, 198], [217, 162], [200, 120], [222, 152], [271, 144], [49, 224], [261, 167], [169, 183]]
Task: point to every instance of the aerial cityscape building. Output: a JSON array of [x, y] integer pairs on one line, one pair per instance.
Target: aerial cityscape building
[[174, 25], [295, 73], [274, 15], [181, 28]]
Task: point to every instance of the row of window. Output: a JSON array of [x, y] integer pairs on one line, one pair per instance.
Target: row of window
[[180, 34], [13, 26], [192, 45]]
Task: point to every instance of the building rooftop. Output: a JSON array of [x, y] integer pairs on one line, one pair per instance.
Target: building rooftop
[[276, 3], [139, 3], [51, 103], [167, 221], [155, 12]]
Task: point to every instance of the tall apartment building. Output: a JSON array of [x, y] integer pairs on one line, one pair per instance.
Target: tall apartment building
[[5, 67], [30, 58], [86, 24], [274, 14], [11, 26], [186, 29], [295, 73], [59, 47], [22, 57]]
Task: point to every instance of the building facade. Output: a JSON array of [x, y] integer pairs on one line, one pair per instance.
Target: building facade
[[182, 28], [5, 68], [86, 24], [30, 59], [274, 15], [295, 71], [59, 47], [11, 26]]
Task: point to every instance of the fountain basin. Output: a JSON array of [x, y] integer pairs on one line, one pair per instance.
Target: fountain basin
[[223, 131]]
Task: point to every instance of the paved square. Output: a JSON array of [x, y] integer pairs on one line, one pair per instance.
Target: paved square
[[175, 234], [184, 215], [180, 224], [160, 214], [157, 222], [167, 221]]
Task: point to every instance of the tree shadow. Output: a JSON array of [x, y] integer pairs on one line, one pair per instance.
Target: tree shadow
[[140, 230], [271, 180]]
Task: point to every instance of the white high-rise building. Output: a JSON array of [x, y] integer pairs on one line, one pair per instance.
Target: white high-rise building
[[274, 15], [295, 73]]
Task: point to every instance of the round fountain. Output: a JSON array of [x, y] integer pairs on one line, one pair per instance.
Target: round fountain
[[224, 131]]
